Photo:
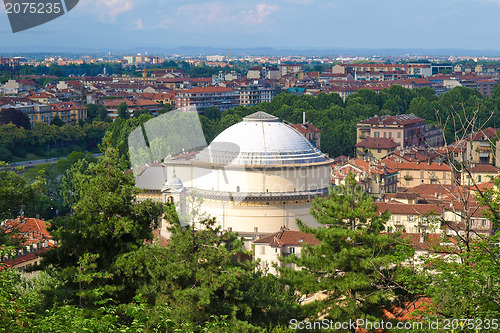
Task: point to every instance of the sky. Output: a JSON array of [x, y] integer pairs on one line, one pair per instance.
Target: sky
[[280, 24]]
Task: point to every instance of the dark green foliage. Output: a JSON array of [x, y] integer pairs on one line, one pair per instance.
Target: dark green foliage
[[212, 113], [166, 108], [56, 70], [96, 112], [138, 113], [17, 117], [198, 270], [123, 111], [106, 222], [41, 138], [117, 137], [5, 155], [15, 193], [57, 121]]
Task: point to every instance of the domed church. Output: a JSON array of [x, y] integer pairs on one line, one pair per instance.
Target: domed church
[[254, 178]]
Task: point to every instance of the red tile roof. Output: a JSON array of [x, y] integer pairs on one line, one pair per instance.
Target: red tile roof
[[489, 133], [407, 209], [210, 89], [29, 226], [288, 237], [306, 128], [403, 119], [417, 166], [484, 168], [380, 143]]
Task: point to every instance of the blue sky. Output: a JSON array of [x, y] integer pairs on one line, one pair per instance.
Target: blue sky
[[460, 24]]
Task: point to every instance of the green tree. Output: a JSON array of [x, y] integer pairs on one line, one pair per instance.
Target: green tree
[[57, 121], [15, 193], [199, 270], [56, 70], [166, 108], [212, 113], [107, 222], [138, 113], [17, 117], [96, 112], [123, 111], [355, 264]]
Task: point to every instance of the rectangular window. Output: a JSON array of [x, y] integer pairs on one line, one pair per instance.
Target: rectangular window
[[399, 135], [380, 150], [262, 250], [390, 135], [292, 250], [376, 134], [422, 174]]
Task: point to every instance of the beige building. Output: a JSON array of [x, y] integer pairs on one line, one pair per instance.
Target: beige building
[[412, 218], [478, 174], [479, 147], [407, 130], [269, 249], [376, 148], [415, 173]]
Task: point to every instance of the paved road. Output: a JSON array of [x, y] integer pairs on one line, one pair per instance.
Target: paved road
[[42, 161]]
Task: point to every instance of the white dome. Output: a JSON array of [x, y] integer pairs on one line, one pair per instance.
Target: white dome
[[174, 183], [261, 139]]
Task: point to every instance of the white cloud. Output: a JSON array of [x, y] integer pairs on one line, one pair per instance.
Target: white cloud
[[138, 24], [258, 14], [206, 13], [301, 2], [105, 9], [218, 15]]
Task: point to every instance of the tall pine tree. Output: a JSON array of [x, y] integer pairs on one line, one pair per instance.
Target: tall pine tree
[[355, 265]]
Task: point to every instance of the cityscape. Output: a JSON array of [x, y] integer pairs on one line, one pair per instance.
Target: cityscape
[[254, 187]]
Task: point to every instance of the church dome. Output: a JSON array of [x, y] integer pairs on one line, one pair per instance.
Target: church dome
[[261, 140], [174, 183]]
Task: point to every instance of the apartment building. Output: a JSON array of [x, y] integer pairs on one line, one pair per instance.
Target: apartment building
[[290, 68], [205, 97], [478, 174], [375, 148], [256, 93], [479, 146], [412, 174], [263, 72], [69, 112], [407, 130], [415, 70]]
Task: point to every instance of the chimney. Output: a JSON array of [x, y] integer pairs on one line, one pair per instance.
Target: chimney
[[304, 118], [422, 238]]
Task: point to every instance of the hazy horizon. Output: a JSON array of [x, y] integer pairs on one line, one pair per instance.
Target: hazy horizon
[[280, 24]]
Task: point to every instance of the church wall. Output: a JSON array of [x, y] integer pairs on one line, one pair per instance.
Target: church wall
[[259, 219], [274, 180]]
